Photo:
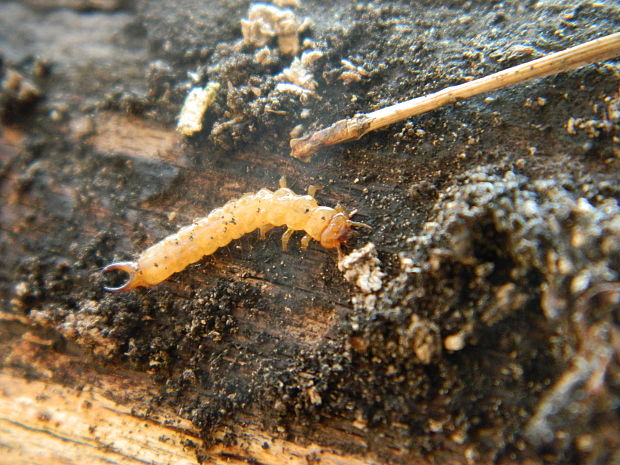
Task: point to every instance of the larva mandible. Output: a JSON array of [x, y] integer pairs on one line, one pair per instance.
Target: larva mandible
[[263, 210]]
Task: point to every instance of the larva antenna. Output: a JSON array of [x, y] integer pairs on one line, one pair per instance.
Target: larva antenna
[[357, 223], [131, 268]]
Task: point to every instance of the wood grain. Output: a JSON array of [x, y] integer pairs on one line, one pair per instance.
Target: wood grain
[[46, 423]]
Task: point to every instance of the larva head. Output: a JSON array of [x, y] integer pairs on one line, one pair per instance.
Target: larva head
[[131, 268], [338, 230]]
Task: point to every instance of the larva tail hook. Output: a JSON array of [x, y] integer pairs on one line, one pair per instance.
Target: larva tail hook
[[131, 268]]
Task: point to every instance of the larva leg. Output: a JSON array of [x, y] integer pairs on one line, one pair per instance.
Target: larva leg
[[263, 230], [286, 237], [305, 241], [282, 182], [312, 190]]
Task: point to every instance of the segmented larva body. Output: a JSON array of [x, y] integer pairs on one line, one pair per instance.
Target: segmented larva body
[[263, 210]]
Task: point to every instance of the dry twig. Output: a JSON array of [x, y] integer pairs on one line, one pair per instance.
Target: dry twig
[[345, 130]]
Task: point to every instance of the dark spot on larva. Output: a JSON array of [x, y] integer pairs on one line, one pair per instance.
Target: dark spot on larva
[[258, 210], [156, 265], [210, 237], [307, 210], [233, 221], [322, 218]]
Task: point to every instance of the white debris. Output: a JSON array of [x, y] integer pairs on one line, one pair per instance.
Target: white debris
[[299, 72], [308, 58], [263, 56], [268, 21], [351, 72], [194, 107], [296, 131], [362, 268], [301, 92], [282, 3], [454, 342]]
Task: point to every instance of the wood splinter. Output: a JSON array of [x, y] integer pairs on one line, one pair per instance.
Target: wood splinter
[[353, 128]]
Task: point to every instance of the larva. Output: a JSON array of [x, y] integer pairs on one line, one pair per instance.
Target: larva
[[263, 210]]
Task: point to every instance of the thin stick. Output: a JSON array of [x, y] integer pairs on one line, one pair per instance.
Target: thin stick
[[345, 130]]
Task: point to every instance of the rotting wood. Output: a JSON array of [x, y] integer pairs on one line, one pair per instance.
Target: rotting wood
[[294, 312], [42, 422], [353, 128], [115, 133], [45, 422], [102, 419]]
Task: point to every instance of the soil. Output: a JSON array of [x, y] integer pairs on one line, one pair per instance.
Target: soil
[[494, 331]]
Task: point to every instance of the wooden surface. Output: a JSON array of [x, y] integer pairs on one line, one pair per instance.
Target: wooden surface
[[43, 423], [46, 423], [256, 355], [104, 419]]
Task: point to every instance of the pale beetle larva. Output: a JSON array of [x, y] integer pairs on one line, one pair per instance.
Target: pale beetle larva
[[263, 210]]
